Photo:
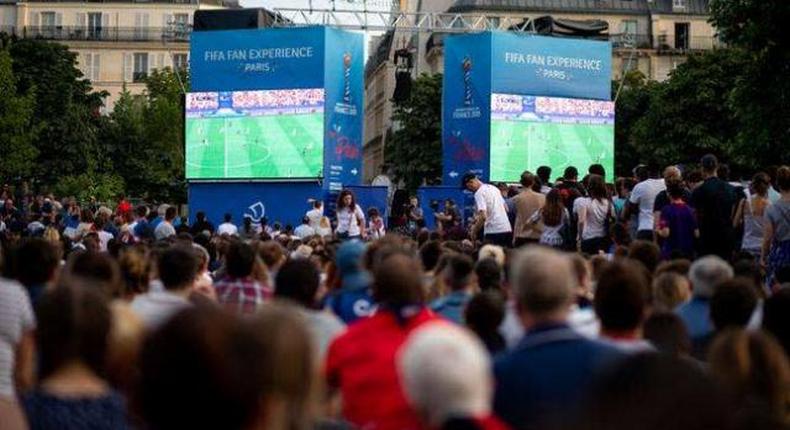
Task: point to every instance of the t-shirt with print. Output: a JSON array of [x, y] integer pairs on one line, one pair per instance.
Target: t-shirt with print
[[488, 199], [644, 195]]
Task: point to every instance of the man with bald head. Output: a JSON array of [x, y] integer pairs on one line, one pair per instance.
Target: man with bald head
[[672, 175], [552, 366]]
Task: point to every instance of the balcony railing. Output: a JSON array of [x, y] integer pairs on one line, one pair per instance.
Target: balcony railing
[[107, 34], [631, 40], [677, 43]]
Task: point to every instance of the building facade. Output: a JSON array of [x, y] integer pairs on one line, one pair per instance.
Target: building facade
[[118, 43], [652, 36]]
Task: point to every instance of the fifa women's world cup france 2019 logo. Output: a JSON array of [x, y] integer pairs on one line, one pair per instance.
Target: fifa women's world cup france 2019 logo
[[466, 65], [346, 77]]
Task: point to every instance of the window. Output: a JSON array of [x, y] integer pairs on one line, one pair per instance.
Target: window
[[48, 19], [180, 61], [91, 66], [140, 66], [141, 22], [678, 4], [48, 22], [95, 25], [629, 27], [682, 35]]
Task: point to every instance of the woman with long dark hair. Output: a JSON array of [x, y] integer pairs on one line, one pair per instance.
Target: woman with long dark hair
[[595, 214], [751, 213], [350, 217], [553, 217], [776, 237]]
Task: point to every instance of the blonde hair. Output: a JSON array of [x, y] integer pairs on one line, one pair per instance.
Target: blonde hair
[[670, 290]]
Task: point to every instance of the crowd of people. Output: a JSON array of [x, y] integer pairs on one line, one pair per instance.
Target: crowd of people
[[648, 303]]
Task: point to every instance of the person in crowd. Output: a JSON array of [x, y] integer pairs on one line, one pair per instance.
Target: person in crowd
[[227, 228], [552, 366], [527, 203], [666, 332], [459, 275], [754, 370], [489, 275], [17, 324], [207, 368], [165, 228], [553, 222], [670, 290], [621, 304], [776, 237], [595, 215], [672, 174], [350, 218], [677, 225], [732, 304], [353, 300], [37, 262], [544, 176], [315, 214], [646, 253], [324, 228], [376, 227], [713, 202], [750, 214], [238, 290], [141, 228], [201, 225], [430, 253], [642, 201], [776, 317], [361, 363], [248, 230], [177, 270], [654, 392], [298, 281], [304, 231], [491, 213], [447, 378], [415, 214], [449, 221], [705, 275], [72, 341], [484, 315]]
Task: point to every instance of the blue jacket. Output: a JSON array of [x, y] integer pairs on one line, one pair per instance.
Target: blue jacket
[[452, 306], [547, 374], [696, 315], [354, 300]]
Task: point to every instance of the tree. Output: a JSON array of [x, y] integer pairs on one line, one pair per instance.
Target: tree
[[66, 110], [760, 96], [17, 130], [415, 150]]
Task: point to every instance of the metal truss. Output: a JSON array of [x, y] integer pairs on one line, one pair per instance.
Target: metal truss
[[403, 21]]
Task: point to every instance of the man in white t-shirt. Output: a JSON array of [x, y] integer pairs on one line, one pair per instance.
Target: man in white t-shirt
[[642, 198], [304, 230], [165, 228], [227, 227], [315, 214], [491, 212]]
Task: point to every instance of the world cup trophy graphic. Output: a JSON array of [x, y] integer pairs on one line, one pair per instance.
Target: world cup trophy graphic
[[347, 78], [466, 65]]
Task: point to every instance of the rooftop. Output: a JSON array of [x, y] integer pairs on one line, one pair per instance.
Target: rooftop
[[194, 2], [692, 7]]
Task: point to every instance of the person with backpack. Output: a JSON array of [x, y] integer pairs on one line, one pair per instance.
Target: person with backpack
[[554, 219], [595, 216]]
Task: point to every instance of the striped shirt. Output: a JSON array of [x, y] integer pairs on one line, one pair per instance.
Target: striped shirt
[[16, 318], [241, 295]]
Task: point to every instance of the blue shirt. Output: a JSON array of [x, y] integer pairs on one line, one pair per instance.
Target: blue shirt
[[547, 374], [452, 306], [696, 315], [354, 300], [45, 411]]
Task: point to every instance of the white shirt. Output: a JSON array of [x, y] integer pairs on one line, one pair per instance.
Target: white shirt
[[164, 230], [593, 213], [315, 217], [488, 199], [349, 222], [16, 319], [644, 195], [104, 239], [304, 231], [156, 307], [228, 228]]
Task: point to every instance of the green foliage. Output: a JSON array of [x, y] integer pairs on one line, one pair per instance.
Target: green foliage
[[17, 131], [415, 150], [102, 187], [144, 137]]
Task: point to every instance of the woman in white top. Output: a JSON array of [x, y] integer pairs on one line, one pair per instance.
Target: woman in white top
[[595, 215], [751, 212], [350, 218]]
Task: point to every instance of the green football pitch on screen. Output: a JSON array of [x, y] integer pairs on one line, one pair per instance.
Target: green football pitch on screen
[[518, 145], [259, 147]]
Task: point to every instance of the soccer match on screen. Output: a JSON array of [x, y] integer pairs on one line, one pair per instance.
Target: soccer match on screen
[[529, 131], [267, 134]]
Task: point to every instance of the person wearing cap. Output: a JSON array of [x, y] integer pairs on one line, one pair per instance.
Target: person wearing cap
[[491, 213], [713, 201], [354, 299]]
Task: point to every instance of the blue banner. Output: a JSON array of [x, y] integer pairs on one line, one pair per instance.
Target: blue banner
[[466, 107], [344, 109], [272, 58], [550, 66]]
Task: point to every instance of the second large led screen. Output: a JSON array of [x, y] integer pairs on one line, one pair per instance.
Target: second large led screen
[[528, 132], [267, 134]]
